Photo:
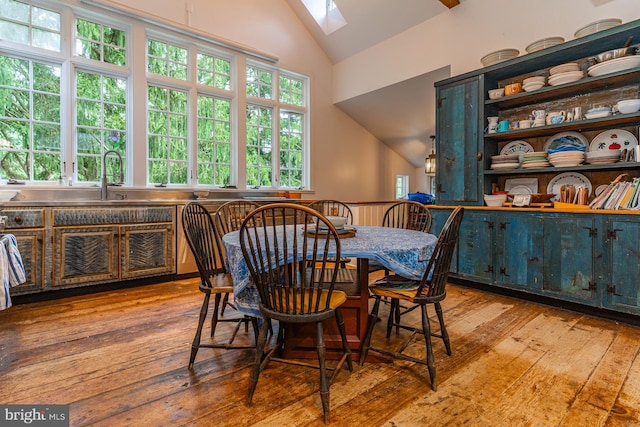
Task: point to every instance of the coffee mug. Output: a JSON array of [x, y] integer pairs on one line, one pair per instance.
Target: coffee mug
[[503, 126], [493, 124], [515, 124], [524, 124], [556, 117]]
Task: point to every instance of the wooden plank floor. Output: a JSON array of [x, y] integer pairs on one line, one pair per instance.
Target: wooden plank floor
[[119, 359]]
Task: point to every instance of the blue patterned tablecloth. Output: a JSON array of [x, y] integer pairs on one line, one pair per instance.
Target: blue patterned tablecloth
[[405, 252]]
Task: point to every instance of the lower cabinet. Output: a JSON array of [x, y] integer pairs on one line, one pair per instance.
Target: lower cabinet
[[31, 247], [591, 259], [92, 246], [620, 278]]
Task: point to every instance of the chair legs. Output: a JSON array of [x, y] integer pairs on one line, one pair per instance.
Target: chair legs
[[394, 320], [196, 340], [216, 309], [325, 381]]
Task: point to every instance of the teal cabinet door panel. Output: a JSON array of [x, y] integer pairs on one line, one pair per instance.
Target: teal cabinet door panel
[[457, 124], [520, 252], [623, 281], [569, 261], [476, 247]]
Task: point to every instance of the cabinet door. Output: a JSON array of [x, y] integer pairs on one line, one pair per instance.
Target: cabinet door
[[475, 247], [147, 250], [520, 254], [85, 255], [457, 126], [31, 247], [623, 267], [569, 246], [438, 220]]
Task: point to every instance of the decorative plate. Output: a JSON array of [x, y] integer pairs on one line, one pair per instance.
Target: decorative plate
[[530, 183], [603, 24], [567, 139], [520, 189], [543, 44], [516, 147], [613, 139], [614, 65], [568, 178]]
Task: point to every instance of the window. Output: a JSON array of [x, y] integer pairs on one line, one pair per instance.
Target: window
[[167, 133], [275, 145], [214, 141], [166, 59], [30, 25], [100, 42], [67, 99], [402, 186], [30, 139], [101, 124], [259, 146]]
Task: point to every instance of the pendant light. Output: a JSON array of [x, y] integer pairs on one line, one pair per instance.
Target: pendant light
[[430, 161]]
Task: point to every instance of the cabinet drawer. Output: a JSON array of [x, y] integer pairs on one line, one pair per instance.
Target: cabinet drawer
[[23, 218], [98, 216]]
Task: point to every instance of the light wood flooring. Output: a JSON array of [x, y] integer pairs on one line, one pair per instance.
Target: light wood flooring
[[120, 359]]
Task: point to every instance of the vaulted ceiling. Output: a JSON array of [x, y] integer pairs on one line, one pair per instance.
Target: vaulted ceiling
[[402, 116]]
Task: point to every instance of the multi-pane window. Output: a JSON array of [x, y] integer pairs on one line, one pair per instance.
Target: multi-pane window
[[166, 59], [291, 148], [259, 83], [214, 72], [259, 146], [67, 102], [214, 141], [29, 25], [101, 124], [30, 141], [100, 42], [167, 111], [291, 91], [272, 144]]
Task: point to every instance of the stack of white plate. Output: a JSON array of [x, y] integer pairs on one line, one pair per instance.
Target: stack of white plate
[[614, 65], [565, 73], [566, 158], [543, 44], [533, 83], [602, 157], [505, 161], [499, 56], [535, 159]]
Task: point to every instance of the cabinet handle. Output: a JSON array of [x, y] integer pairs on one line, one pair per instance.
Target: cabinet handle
[[479, 155], [18, 219], [613, 234], [503, 271], [489, 269], [612, 290]]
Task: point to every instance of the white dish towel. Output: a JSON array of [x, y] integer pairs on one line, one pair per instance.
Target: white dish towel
[[11, 268]]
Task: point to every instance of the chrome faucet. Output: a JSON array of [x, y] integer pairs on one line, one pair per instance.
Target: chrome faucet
[[103, 193]]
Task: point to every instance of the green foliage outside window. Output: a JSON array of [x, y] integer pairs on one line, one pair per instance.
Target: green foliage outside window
[[29, 120]]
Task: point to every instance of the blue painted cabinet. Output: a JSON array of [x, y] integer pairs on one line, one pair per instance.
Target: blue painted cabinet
[[457, 117], [475, 258], [519, 250], [620, 278]]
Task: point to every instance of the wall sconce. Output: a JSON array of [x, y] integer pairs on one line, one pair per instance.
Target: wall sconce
[[430, 161]]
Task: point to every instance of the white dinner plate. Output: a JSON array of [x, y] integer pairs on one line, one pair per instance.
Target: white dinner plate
[[499, 166], [568, 178], [516, 147], [607, 139], [614, 65]]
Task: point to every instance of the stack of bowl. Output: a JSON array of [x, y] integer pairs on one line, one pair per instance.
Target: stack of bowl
[[533, 83], [505, 161], [602, 157], [535, 159], [598, 112], [496, 93], [565, 73]]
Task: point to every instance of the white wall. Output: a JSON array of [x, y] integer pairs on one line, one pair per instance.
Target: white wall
[[464, 34], [345, 156]]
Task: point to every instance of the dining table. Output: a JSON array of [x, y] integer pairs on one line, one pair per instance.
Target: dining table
[[404, 252]]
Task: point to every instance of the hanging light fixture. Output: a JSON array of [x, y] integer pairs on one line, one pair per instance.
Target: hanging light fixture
[[430, 160]]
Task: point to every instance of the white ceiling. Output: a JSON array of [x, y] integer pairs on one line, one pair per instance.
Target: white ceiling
[[402, 116]]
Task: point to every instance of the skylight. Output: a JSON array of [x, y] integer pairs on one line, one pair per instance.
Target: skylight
[[326, 14]]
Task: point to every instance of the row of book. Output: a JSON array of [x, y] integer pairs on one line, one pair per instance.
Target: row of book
[[619, 195]]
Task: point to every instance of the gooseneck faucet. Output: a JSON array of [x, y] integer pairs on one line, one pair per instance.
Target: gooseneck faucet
[[103, 192]]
